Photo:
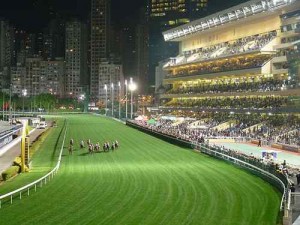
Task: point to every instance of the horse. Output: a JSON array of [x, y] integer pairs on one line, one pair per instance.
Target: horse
[[91, 148], [116, 144], [71, 149], [81, 144]]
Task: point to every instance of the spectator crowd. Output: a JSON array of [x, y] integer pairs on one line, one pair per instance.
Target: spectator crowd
[[221, 66], [269, 129], [242, 45], [263, 85], [267, 102]]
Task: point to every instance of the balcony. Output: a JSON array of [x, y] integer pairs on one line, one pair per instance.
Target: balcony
[[279, 59], [288, 92], [279, 71], [229, 72], [240, 47], [252, 64]]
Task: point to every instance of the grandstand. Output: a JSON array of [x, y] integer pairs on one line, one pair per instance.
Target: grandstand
[[238, 58]]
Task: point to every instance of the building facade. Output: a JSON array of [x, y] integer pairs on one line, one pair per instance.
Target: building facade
[[6, 52], [128, 49], [52, 74], [142, 52], [39, 76], [76, 58], [54, 39], [109, 77], [18, 74], [100, 22], [236, 60]]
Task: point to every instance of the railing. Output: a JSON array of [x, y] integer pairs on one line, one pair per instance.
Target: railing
[[11, 130], [210, 151], [9, 133], [40, 182], [281, 182], [170, 76]]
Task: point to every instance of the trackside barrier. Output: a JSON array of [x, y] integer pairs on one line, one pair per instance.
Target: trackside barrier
[[280, 182], [282, 187], [38, 183], [9, 133]]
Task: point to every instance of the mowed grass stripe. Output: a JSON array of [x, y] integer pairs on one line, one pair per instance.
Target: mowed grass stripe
[[146, 181]]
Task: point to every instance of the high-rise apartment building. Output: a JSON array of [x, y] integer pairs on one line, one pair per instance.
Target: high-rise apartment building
[[25, 46], [6, 52], [184, 9], [18, 74], [76, 58], [44, 76], [53, 37], [164, 15], [100, 21], [32, 76], [52, 77], [128, 49], [110, 75], [142, 51], [6, 43]]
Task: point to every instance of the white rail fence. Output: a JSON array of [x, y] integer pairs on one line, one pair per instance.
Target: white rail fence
[[284, 205], [38, 183], [239, 162]]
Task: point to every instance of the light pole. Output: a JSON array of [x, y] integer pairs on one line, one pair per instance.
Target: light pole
[[3, 104], [82, 98], [126, 107], [105, 88], [24, 94], [119, 84], [10, 115], [132, 88], [112, 99]]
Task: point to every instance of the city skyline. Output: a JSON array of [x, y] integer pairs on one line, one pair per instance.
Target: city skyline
[[34, 15], [109, 34]]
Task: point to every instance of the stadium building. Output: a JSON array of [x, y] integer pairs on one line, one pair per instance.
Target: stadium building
[[240, 59]]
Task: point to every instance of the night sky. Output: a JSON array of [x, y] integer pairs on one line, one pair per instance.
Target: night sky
[[35, 14]]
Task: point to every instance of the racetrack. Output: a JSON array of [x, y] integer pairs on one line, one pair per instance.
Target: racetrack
[[145, 181]]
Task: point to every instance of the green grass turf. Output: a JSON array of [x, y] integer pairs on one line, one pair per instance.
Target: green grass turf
[[146, 181]]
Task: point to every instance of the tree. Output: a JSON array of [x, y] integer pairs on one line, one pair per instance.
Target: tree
[[45, 101]]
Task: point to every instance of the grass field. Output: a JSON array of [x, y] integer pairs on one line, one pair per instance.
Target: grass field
[[146, 181]]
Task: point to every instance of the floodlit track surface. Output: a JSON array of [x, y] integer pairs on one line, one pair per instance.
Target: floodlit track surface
[[145, 181]]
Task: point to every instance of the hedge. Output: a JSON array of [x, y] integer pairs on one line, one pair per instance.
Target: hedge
[[10, 172]]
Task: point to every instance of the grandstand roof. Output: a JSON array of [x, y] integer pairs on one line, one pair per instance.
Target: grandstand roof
[[240, 11]]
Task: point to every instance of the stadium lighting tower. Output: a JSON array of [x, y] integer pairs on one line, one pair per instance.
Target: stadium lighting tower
[[119, 84], [132, 88], [82, 98], [126, 87], [112, 99], [105, 88], [10, 112], [24, 94]]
